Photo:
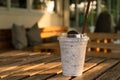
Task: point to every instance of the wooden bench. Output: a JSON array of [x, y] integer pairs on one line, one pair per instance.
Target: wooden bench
[[52, 31], [99, 45], [45, 33], [104, 45], [26, 65]]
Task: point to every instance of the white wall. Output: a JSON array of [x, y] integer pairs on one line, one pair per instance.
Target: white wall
[[48, 19], [7, 18]]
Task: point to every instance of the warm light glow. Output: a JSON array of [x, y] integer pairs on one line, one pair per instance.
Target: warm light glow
[[105, 41], [98, 49], [50, 6]]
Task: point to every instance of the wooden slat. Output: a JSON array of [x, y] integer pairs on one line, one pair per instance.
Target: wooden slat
[[54, 28], [111, 74], [21, 56], [47, 46], [54, 45], [5, 55], [11, 57], [103, 35], [14, 67], [9, 61], [18, 54], [103, 45], [46, 74], [96, 71], [52, 31], [15, 54], [91, 63], [31, 72], [101, 54]]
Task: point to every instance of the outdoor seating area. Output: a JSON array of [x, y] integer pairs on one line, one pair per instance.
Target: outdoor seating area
[[43, 62], [59, 40], [104, 45], [47, 35], [99, 45]]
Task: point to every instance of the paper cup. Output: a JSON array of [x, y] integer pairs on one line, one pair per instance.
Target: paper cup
[[73, 55]]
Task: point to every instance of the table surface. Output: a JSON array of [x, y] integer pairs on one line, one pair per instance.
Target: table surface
[[24, 65]]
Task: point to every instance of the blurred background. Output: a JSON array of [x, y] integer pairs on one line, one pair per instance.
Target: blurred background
[[56, 13]]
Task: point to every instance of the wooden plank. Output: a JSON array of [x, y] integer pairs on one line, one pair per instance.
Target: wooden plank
[[11, 53], [54, 45], [45, 46], [88, 58], [54, 28], [111, 74], [103, 35], [21, 55], [8, 62], [98, 70], [27, 61], [26, 65], [12, 57], [31, 72], [103, 45], [108, 55], [52, 31], [91, 63], [7, 59], [14, 54], [46, 74], [18, 53]]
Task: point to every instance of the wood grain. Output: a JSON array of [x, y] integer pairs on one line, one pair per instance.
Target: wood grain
[[111, 74], [89, 64], [96, 71]]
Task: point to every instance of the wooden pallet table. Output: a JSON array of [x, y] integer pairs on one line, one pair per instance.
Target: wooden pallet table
[[26, 65]]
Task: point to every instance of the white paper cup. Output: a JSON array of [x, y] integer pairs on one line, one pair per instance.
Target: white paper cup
[[73, 55]]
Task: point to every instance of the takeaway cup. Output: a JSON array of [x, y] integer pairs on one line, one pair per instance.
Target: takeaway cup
[[73, 51]]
